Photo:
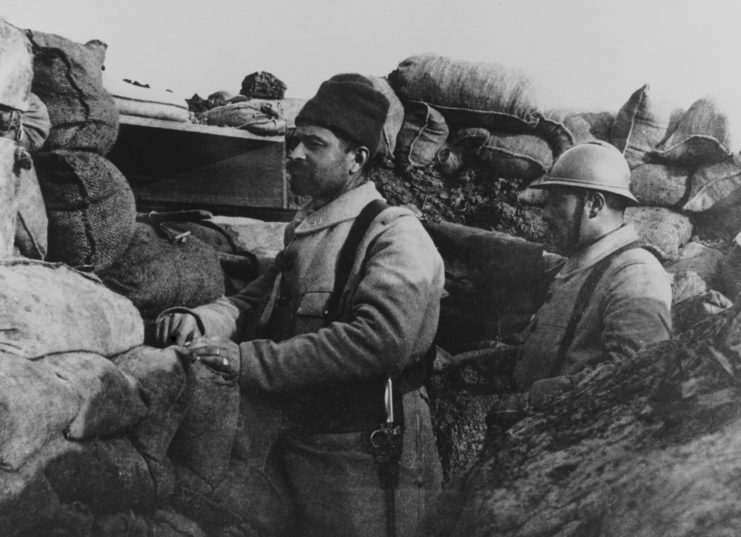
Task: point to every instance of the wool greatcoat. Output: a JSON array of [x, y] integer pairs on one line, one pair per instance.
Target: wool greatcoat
[[629, 309], [305, 375]]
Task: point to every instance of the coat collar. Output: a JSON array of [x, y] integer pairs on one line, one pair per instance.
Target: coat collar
[[346, 207], [592, 254]]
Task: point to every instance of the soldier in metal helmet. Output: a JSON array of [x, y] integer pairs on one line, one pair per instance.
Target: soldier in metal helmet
[[611, 297]]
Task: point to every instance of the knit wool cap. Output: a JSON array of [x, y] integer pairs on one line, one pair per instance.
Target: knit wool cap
[[348, 105]]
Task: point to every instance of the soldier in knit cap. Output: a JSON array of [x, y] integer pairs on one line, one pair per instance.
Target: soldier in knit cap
[[331, 364]]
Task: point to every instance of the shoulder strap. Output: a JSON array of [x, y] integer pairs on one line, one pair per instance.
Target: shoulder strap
[[348, 253], [582, 299]]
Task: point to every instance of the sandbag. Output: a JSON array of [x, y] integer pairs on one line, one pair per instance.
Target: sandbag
[[661, 231], [717, 186], [641, 124], [521, 156], [729, 271], [706, 134], [659, 185], [90, 206], [257, 118], [203, 443], [109, 399], [720, 224], [35, 124], [468, 94], [422, 135], [698, 258], [162, 377], [394, 117], [31, 225], [16, 71], [9, 183], [51, 308], [142, 101], [68, 79], [36, 406], [687, 284], [693, 310], [105, 475], [156, 274]]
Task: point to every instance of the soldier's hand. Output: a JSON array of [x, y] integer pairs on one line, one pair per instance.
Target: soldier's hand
[[220, 354], [544, 392], [177, 329]]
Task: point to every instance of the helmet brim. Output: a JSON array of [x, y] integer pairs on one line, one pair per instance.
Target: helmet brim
[[549, 181]]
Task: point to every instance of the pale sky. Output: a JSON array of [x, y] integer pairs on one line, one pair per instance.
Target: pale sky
[[582, 53]]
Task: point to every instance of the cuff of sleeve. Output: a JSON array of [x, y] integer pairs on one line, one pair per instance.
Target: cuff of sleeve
[[181, 309]]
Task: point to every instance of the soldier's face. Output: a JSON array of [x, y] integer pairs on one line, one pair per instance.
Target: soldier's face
[[562, 214], [319, 164]]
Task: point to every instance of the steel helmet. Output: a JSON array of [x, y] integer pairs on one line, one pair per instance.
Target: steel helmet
[[593, 165]]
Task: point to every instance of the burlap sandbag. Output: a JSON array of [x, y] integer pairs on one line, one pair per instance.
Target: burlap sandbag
[[422, 135], [697, 308], [717, 186], [161, 375], [699, 258], [68, 79], [110, 400], [203, 443], [582, 127], [468, 94], [394, 117], [16, 71], [706, 134], [661, 231], [31, 225], [729, 271], [51, 308], [90, 206], [254, 117], [156, 274], [687, 284], [36, 407], [659, 185], [521, 156], [105, 475], [10, 176], [641, 124]]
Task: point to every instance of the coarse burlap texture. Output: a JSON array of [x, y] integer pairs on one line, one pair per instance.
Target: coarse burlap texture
[[729, 271], [699, 258], [32, 223], [16, 70], [51, 308], [257, 118], [105, 475], [514, 156], [204, 441], [90, 206], [162, 523], [641, 124], [659, 185], [394, 118], [709, 132], [110, 400], [36, 406], [717, 186], [422, 135], [468, 94], [68, 79], [9, 183], [156, 274], [660, 230]]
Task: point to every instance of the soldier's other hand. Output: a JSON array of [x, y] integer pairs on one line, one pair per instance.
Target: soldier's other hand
[[220, 354], [546, 391], [176, 329]]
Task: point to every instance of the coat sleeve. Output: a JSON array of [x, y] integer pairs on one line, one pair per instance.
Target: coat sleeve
[[636, 311], [395, 312], [235, 317]]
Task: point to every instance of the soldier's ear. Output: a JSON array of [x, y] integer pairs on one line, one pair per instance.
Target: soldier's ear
[[596, 203], [359, 159]]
